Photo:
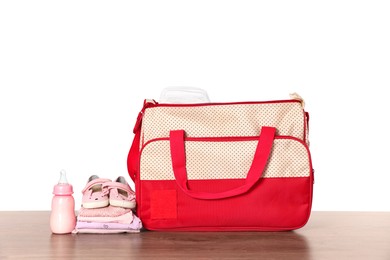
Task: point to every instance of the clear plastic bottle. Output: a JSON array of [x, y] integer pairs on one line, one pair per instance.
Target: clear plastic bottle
[[62, 218]]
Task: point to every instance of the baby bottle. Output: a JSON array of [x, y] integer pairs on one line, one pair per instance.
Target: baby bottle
[[62, 218]]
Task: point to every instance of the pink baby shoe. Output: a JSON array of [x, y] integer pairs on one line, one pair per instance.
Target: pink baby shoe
[[121, 195], [94, 196]]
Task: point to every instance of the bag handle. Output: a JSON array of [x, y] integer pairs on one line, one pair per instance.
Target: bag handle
[[178, 155]]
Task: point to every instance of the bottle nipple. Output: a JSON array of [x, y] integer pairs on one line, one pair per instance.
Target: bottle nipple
[[63, 187], [63, 179]]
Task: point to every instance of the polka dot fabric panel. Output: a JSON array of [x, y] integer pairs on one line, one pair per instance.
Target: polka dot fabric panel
[[219, 120], [225, 159]]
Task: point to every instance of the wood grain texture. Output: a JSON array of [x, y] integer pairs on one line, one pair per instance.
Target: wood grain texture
[[328, 235]]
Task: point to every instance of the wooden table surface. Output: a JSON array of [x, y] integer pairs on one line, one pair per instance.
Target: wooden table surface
[[328, 235]]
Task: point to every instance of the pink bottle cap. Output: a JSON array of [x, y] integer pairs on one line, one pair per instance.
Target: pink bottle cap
[[63, 187]]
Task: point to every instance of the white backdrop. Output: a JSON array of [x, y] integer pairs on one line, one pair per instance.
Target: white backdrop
[[73, 76]]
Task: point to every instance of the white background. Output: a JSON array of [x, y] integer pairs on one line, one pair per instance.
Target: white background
[[73, 76]]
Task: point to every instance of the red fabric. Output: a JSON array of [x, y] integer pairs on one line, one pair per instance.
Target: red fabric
[[133, 157], [272, 204], [163, 204], [256, 170]]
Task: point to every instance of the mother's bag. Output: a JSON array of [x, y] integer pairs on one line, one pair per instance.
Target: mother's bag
[[222, 166]]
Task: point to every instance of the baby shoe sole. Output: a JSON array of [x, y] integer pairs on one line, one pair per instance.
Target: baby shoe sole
[[123, 203], [95, 204]]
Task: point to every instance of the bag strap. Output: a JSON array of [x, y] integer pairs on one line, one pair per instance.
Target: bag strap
[[178, 155], [133, 156]]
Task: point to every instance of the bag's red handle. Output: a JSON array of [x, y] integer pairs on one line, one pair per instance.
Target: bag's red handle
[[260, 159]]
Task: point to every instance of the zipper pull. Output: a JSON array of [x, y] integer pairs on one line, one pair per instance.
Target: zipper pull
[[296, 96]]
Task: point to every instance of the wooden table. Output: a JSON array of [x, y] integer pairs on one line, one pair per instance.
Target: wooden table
[[328, 235]]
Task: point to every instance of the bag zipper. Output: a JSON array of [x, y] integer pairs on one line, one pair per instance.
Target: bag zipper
[[153, 103]]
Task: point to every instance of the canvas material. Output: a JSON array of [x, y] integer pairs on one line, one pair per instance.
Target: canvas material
[[218, 120], [281, 200], [225, 159]]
